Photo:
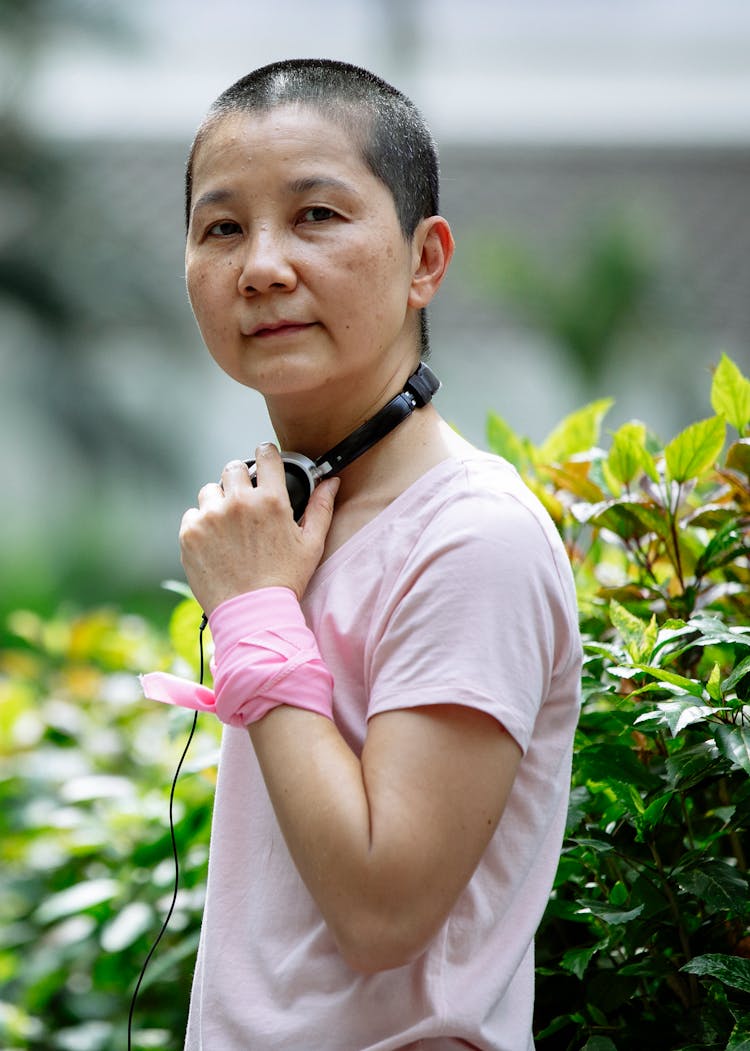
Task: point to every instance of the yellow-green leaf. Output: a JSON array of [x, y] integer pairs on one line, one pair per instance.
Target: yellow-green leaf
[[628, 457], [638, 635], [574, 478], [624, 460], [730, 394], [576, 433], [183, 631], [695, 449], [713, 686], [504, 441]]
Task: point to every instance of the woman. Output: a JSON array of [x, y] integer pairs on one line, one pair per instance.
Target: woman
[[399, 669]]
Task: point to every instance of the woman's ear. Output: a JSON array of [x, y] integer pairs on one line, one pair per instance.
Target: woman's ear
[[432, 247]]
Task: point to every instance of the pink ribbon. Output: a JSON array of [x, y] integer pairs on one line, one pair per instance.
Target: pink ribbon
[[255, 668]]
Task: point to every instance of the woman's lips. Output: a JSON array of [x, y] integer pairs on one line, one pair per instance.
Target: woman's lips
[[279, 328]]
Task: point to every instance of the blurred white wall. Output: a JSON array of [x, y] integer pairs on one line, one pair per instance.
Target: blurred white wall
[[482, 70]]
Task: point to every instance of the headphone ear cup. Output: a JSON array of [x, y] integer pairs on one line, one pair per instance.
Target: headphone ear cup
[[301, 479], [299, 485]]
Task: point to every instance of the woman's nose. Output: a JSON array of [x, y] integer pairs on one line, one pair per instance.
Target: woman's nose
[[266, 264]]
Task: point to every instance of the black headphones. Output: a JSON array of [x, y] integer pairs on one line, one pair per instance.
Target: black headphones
[[303, 474]]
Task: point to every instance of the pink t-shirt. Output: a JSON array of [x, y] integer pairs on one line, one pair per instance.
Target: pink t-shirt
[[459, 592]]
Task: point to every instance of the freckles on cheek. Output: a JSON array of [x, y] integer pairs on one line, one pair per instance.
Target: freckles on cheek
[[194, 283]]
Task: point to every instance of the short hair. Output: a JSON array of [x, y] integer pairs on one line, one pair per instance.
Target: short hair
[[394, 140]]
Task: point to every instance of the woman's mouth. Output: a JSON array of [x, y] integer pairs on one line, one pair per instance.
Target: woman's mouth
[[279, 328]]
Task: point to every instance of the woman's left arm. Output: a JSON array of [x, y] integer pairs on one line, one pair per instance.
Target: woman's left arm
[[387, 843]]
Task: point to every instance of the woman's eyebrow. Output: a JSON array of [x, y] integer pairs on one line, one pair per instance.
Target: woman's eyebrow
[[319, 182], [212, 197]]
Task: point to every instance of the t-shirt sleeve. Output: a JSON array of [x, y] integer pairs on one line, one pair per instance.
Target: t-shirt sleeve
[[476, 616]]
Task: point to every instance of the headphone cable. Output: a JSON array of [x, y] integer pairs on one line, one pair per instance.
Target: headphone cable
[[175, 855]]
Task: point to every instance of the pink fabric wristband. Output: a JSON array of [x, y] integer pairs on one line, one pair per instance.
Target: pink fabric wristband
[[256, 668]]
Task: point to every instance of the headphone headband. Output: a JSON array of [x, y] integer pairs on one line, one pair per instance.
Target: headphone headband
[[419, 389]]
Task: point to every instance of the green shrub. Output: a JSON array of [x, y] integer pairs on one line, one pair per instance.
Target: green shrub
[[646, 940], [86, 853]]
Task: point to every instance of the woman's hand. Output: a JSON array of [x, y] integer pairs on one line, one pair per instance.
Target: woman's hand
[[242, 537]]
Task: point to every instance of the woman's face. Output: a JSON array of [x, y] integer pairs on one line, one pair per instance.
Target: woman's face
[[297, 269]]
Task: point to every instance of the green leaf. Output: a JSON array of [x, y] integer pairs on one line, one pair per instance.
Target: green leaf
[[75, 899], [655, 810], [628, 456], [719, 887], [734, 744], [598, 846], [638, 636], [599, 1018], [620, 517], [691, 686], [698, 713], [692, 766], [669, 712], [126, 927], [504, 441], [727, 544], [601, 762], [740, 1038], [630, 799], [713, 686], [713, 631], [731, 970], [615, 917], [618, 895], [577, 960], [730, 394], [183, 631], [695, 449], [577, 433], [736, 675], [711, 516], [560, 1023], [599, 1043], [656, 520]]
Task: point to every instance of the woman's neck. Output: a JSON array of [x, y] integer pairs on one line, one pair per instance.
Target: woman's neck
[[389, 468], [315, 421]]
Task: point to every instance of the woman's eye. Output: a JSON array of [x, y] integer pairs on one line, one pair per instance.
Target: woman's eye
[[317, 214], [223, 229]]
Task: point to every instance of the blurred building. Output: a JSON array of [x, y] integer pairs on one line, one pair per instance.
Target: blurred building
[[578, 139]]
